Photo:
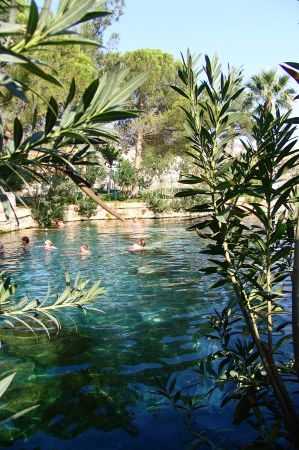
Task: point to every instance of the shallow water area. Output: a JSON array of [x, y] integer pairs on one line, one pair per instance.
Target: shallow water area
[[94, 381]]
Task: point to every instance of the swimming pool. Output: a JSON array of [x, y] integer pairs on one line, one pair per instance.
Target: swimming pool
[[94, 382]]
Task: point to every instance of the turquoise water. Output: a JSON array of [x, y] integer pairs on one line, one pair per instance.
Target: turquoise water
[[94, 382]]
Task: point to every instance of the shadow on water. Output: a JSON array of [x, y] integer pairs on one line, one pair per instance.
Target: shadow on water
[[94, 385]]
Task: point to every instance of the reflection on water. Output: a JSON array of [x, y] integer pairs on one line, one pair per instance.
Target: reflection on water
[[94, 385]]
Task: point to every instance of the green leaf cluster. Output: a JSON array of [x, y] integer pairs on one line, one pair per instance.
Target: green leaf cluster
[[126, 177], [41, 315], [71, 127], [250, 245]]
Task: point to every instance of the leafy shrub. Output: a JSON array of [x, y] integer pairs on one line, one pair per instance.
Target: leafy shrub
[[155, 201], [44, 212], [123, 196], [256, 361], [51, 204], [86, 207], [126, 177], [162, 201]]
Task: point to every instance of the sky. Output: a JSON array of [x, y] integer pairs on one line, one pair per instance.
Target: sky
[[252, 34]]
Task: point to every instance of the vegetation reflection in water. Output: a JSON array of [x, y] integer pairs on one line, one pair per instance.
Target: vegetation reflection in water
[[95, 383]]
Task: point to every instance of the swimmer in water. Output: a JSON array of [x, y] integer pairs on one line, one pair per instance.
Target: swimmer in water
[[138, 246], [135, 223], [60, 224], [48, 245], [84, 250], [25, 242]]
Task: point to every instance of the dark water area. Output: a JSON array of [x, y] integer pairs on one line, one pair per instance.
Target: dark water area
[[94, 382]]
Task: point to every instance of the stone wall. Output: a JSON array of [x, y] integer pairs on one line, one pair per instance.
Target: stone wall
[[24, 220], [128, 210]]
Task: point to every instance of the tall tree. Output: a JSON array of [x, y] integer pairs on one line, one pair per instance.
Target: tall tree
[[56, 144], [154, 98], [97, 29], [268, 90]]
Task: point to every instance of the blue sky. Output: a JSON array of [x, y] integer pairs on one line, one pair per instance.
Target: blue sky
[[253, 34]]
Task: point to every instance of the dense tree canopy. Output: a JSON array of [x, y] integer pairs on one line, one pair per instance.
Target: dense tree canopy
[[69, 62]]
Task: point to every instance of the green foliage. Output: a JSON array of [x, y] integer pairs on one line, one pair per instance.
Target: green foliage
[[95, 172], [68, 62], [43, 314], [50, 205], [267, 91], [110, 154], [292, 68], [126, 177], [164, 201], [44, 29], [53, 197], [86, 207], [156, 201], [154, 93], [96, 28], [154, 166], [153, 97], [35, 149], [256, 260], [45, 212]]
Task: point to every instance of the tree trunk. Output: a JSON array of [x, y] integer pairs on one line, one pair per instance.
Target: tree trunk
[[109, 181], [12, 11], [138, 150], [138, 159]]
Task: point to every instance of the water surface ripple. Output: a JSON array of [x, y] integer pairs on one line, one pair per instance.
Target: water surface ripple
[[94, 384]]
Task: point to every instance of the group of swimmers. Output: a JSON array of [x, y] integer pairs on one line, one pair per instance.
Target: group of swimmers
[[48, 245], [84, 248]]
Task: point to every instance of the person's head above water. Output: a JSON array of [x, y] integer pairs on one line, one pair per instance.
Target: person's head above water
[[25, 240], [48, 245], [135, 222], [60, 224], [84, 249], [138, 246], [141, 242]]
